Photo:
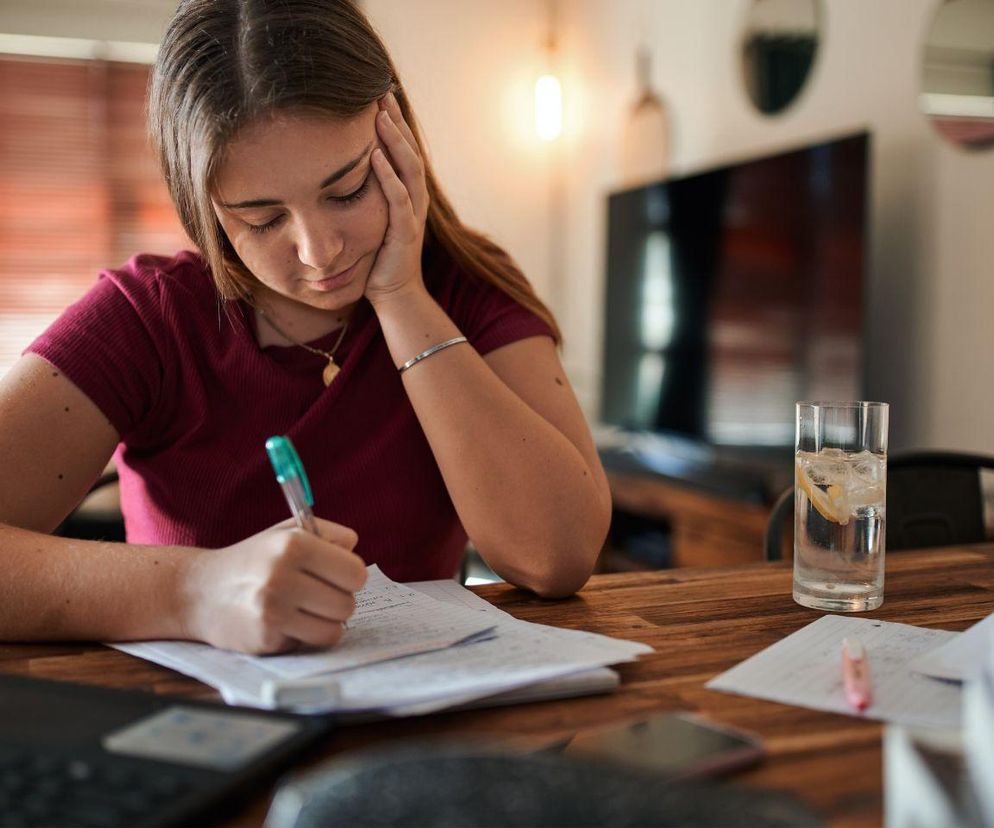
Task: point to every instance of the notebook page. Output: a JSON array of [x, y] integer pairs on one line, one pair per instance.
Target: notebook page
[[382, 608]]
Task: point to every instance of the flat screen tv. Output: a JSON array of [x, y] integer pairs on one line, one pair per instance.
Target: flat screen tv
[[733, 293]]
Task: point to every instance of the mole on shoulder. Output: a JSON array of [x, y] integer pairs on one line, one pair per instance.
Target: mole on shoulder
[[67, 408], [61, 476], [558, 381], [55, 373]]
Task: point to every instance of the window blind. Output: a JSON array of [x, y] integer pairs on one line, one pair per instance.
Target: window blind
[[79, 187]]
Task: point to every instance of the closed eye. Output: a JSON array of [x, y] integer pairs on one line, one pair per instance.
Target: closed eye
[[356, 194], [345, 200]]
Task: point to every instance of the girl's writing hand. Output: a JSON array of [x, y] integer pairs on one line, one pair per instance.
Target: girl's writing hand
[[401, 173], [276, 590]]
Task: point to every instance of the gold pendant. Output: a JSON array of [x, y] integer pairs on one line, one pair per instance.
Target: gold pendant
[[330, 372]]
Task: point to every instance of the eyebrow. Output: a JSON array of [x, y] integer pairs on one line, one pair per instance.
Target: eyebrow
[[341, 172]]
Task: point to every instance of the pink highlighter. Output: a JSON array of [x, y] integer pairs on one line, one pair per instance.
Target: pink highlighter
[[856, 674]]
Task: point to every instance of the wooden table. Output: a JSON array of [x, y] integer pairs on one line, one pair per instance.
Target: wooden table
[[701, 622]]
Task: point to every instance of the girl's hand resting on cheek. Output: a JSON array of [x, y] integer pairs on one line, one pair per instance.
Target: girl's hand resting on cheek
[[276, 590], [401, 174]]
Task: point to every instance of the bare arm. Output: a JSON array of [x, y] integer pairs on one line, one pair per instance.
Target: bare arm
[[512, 445], [54, 442], [261, 595], [507, 433]]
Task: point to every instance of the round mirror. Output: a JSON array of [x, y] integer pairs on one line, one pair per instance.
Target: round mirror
[[779, 47], [958, 72]]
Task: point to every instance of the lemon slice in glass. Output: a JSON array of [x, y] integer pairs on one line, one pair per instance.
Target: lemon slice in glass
[[830, 503]]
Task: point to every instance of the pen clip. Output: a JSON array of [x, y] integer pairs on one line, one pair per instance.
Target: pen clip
[[287, 465]]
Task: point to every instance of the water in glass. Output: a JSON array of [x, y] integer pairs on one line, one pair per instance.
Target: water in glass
[[840, 525]]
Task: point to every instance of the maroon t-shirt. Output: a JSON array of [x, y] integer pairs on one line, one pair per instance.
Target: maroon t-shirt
[[182, 378]]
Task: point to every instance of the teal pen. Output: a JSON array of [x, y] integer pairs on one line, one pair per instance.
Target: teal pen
[[292, 478]]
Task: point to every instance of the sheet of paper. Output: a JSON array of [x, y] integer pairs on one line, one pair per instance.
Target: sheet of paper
[[962, 657], [805, 669], [452, 592], [507, 655], [518, 655], [382, 607]]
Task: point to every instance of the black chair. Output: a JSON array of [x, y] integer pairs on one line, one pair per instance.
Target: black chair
[[84, 523], [934, 498]]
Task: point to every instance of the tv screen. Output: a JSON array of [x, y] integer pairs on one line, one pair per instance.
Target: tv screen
[[735, 292]]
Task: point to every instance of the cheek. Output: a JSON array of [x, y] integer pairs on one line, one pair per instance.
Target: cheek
[[376, 215]]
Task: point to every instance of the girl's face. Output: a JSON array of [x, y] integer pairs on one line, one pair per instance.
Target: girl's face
[[298, 200]]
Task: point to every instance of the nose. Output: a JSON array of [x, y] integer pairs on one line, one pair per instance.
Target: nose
[[318, 245]]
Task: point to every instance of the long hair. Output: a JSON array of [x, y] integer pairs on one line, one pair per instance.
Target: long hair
[[222, 64]]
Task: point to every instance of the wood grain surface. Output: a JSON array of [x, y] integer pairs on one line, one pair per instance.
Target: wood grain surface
[[700, 622]]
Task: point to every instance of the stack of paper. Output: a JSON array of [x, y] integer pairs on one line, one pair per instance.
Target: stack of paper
[[409, 649]]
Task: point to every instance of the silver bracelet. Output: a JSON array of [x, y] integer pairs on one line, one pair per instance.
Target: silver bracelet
[[434, 349]]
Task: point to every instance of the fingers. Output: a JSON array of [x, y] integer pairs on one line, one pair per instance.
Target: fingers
[[403, 221], [317, 598], [332, 565], [388, 103], [316, 632], [336, 533], [329, 557], [404, 160]]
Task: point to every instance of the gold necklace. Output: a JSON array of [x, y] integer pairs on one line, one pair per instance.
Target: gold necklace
[[331, 369]]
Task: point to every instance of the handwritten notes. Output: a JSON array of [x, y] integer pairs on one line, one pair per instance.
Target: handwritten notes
[[410, 649], [804, 669]]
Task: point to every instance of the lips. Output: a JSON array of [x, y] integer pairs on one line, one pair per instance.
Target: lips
[[334, 282]]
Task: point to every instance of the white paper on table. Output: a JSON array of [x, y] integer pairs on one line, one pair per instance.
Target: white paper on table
[[805, 669], [513, 655], [452, 592], [963, 657], [521, 653], [533, 660], [382, 608]]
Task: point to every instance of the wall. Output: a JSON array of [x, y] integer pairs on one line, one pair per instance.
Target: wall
[[468, 69], [930, 354]]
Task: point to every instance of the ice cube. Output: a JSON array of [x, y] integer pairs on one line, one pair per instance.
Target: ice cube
[[824, 468], [869, 468]]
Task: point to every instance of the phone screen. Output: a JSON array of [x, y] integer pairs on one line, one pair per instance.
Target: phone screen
[[674, 744]]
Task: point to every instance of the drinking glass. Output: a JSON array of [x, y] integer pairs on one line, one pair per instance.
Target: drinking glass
[[840, 496]]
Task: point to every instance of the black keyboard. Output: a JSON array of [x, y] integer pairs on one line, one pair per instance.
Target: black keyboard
[[45, 789], [65, 758]]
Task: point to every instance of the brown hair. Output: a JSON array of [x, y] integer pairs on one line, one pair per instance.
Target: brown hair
[[222, 64]]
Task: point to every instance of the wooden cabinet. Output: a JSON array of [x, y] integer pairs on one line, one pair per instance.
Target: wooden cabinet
[[706, 529]]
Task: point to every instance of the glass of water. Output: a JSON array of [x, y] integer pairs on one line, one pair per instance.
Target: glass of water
[[840, 505]]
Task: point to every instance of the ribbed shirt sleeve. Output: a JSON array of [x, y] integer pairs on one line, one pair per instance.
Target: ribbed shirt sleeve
[[104, 346], [490, 318]]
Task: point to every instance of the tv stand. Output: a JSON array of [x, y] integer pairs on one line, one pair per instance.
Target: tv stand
[[715, 501]]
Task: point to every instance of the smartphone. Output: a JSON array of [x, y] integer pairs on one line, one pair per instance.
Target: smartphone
[[677, 745]]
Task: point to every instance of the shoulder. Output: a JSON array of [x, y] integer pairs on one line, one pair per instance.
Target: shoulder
[[488, 315], [148, 276]]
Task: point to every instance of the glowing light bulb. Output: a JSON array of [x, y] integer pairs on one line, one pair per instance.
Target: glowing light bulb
[[548, 107]]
